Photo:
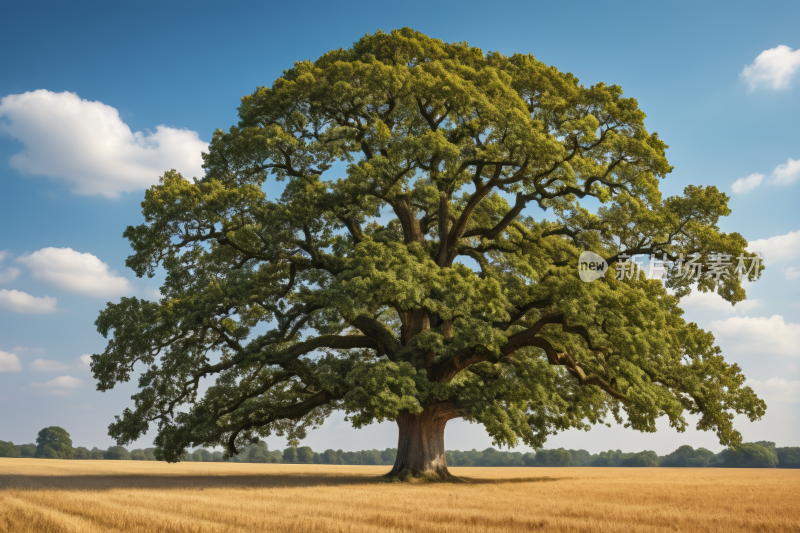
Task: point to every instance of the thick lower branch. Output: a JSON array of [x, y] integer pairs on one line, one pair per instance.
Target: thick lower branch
[[408, 220], [379, 334], [523, 338], [292, 412], [565, 359]]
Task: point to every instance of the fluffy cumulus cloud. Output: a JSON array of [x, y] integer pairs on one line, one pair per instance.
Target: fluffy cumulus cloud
[[747, 184], [9, 362], [42, 365], [787, 173], [86, 359], [26, 349], [710, 301], [791, 272], [22, 302], [88, 144], [9, 274], [76, 272], [778, 248], [60, 386], [758, 336], [772, 68], [784, 174]]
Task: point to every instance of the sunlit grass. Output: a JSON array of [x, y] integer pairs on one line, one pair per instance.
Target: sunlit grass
[[39, 495]]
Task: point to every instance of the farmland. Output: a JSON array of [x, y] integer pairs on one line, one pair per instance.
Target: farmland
[[39, 495]]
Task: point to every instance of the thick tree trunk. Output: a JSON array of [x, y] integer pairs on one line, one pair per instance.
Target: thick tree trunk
[[420, 446]]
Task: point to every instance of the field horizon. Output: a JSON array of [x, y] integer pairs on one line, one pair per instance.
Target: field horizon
[[49, 495]]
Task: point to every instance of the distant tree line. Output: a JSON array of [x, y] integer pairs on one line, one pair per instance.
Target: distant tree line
[[762, 454], [55, 443]]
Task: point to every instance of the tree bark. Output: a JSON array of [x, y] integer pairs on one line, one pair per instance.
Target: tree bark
[[420, 446]]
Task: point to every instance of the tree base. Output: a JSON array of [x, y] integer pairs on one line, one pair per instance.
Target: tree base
[[420, 446], [426, 477]]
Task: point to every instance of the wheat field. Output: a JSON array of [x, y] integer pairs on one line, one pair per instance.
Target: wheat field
[[40, 495]]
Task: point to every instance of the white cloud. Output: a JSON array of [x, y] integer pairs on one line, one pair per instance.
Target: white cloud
[[777, 389], [9, 274], [61, 386], [153, 294], [778, 248], [758, 336], [787, 173], [791, 272], [76, 272], [22, 302], [41, 365], [747, 184], [711, 301], [9, 362], [26, 350], [89, 145], [773, 68], [86, 359]]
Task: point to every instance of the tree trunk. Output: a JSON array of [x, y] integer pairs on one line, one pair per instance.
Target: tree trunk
[[420, 446]]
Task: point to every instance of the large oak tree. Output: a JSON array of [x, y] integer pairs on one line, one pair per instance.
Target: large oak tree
[[420, 264]]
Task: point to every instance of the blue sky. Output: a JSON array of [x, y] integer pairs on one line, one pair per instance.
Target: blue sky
[[148, 83]]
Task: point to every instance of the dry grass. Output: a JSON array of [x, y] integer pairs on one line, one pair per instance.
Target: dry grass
[[38, 495]]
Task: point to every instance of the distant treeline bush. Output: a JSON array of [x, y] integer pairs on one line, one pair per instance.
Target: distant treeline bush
[[55, 443]]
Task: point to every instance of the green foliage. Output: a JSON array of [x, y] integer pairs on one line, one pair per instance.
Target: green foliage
[[305, 454], [254, 453], [559, 457], [488, 457], [788, 457], [641, 459], [138, 455], [290, 455], [686, 456], [82, 453], [203, 456], [26, 450], [147, 454], [761, 454], [580, 458], [47, 452], [117, 453], [609, 458], [365, 457], [748, 455], [7, 449], [330, 457], [422, 252], [54, 443], [372, 457]]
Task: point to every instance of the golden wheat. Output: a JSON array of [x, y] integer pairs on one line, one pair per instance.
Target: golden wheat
[[39, 495]]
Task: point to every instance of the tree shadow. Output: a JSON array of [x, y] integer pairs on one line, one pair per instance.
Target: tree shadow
[[200, 482], [508, 480]]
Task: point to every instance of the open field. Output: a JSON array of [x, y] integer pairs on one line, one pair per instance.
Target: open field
[[39, 495]]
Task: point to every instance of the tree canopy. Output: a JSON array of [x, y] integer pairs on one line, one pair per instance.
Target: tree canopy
[[54, 443], [420, 263], [7, 449]]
